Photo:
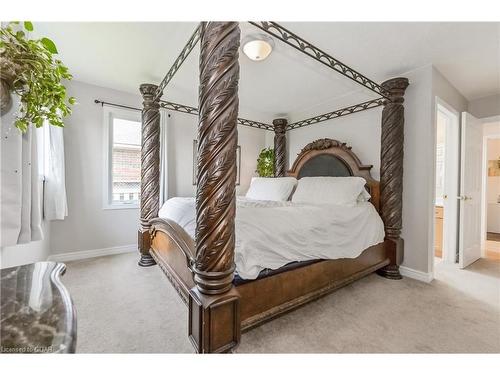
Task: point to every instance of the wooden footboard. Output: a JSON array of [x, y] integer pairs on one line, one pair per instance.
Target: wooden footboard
[[173, 249], [266, 298]]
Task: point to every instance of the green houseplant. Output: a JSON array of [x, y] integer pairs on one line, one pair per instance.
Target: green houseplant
[[265, 163], [29, 69]]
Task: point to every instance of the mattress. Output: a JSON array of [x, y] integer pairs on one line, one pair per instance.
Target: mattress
[[270, 235]]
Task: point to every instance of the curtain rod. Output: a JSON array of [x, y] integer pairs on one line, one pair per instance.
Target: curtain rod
[[102, 102], [191, 111]]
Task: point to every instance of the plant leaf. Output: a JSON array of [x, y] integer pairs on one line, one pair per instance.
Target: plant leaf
[[49, 45], [28, 25], [72, 100]]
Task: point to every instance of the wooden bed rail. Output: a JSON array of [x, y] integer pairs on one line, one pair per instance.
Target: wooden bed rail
[[182, 240]]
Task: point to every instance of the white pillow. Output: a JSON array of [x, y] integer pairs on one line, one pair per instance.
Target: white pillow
[[364, 196], [271, 189], [343, 191]]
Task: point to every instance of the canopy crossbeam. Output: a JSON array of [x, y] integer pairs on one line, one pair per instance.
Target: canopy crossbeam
[[193, 40], [194, 111], [337, 113], [302, 45], [191, 111]]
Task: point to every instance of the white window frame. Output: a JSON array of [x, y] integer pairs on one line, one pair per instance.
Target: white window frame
[[43, 149], [109, 114]]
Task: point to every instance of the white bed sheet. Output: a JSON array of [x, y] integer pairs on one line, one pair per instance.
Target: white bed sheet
[[271, 234]]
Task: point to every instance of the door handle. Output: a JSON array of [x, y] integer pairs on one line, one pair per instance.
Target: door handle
[[464, 198]]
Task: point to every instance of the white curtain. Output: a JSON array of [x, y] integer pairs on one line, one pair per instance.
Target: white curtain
[[25, 160], [55, 206], [163, 156], [21, 218]]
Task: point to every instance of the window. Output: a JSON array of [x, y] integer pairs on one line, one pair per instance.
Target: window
[[123, 158], [43, 150]]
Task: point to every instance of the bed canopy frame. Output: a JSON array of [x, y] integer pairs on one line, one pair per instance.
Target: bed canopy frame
[[202, 270]]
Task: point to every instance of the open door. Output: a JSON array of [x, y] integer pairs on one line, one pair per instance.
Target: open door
[[470, 190]]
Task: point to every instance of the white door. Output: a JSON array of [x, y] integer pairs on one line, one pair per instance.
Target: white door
[[470, 190], [451, 121]]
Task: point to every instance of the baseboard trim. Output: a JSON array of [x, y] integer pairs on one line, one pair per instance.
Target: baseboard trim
[[85, 254], [417, 275]]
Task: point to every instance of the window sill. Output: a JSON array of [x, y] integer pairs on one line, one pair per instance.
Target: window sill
[[121, 207]]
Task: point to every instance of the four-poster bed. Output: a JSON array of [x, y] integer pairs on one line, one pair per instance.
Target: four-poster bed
[[202, 268]]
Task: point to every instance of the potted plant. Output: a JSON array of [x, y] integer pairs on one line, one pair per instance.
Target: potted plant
[[265, 163], [29, 69]]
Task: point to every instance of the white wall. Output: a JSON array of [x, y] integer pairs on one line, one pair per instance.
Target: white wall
[[88, 226], [182, 130], [252, 141], [360, 130], [426, 84], [442, 88], [485, 107], [418, 176]]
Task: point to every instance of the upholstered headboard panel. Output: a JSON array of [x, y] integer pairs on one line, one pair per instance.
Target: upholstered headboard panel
[[324, 165], [329, 157]]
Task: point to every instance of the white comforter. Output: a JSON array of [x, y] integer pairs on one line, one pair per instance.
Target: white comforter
[[272, 234]]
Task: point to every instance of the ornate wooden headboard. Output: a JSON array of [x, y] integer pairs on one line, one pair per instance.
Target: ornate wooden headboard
[[329, 157]]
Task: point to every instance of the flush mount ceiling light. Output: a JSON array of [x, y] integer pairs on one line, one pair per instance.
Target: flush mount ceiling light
[[257, 47]]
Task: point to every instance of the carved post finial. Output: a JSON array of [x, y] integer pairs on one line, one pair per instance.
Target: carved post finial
[[150, 169], [395, 88], [391, 170], [280, 147]]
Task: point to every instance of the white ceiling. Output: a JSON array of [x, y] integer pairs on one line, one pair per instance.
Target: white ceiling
[[124, 55]]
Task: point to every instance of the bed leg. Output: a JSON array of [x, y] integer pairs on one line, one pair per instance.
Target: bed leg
[[144, 244], [394, 248], [214, 321], [390, 272]]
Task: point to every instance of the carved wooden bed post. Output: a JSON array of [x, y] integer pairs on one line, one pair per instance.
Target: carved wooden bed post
[[150, 170], [280, 147], [391, 172], [214, 311]]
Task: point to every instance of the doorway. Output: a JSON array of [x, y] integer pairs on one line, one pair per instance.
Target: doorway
[[491, 190], [461, 191], [446, 183]]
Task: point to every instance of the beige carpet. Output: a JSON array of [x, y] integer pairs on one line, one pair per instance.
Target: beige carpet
[[123, 308]]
